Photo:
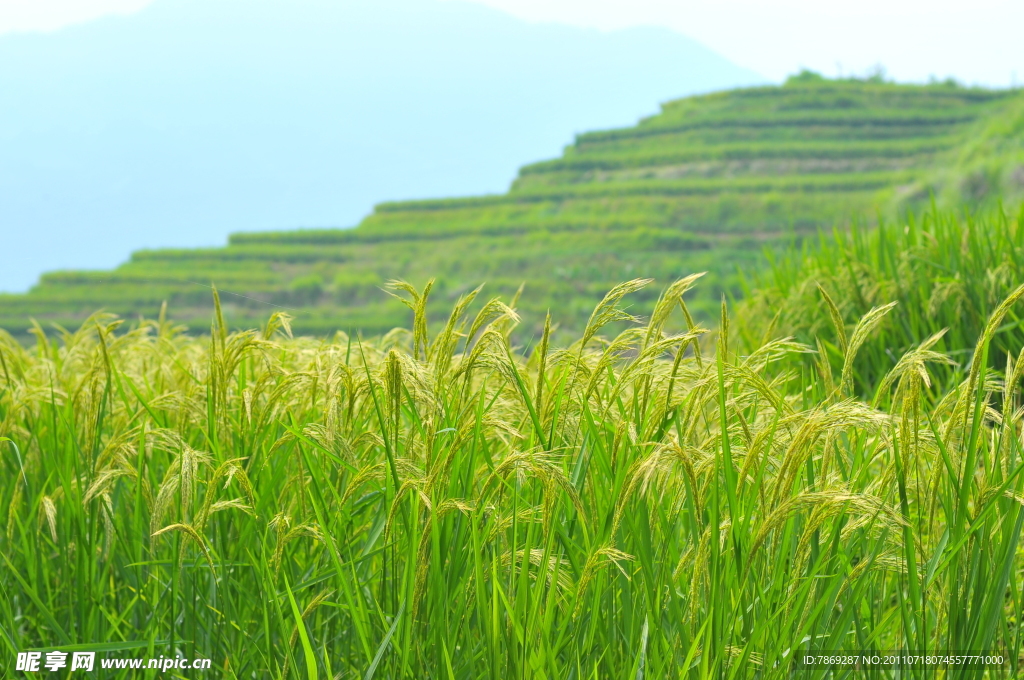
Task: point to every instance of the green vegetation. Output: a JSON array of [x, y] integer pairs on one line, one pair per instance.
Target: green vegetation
[[945, 271], [837, 468], [436, 504], [705, 185]]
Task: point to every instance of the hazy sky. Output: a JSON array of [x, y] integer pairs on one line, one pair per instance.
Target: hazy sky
[[976, 42]]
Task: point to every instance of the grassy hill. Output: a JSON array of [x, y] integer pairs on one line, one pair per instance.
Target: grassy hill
[[704, 185]]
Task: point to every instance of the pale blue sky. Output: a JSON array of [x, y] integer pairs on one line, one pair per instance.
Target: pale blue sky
[[976, 42]]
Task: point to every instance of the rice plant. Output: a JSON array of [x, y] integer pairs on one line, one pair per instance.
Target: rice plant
[[440, 503], [945, 270]]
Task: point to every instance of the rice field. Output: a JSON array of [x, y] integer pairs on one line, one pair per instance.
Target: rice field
[[440, 502], [703, 185]]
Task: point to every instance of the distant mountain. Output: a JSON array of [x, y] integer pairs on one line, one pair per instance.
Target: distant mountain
[[195, 118]]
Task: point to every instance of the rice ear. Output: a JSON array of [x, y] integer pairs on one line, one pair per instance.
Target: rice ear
[[868, 323], [607, 311], [189, 532], [837, 320]]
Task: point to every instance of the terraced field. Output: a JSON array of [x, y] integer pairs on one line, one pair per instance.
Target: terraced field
[[706, 184]]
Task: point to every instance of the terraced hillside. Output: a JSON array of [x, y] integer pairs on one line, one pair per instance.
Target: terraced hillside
[[704, 185]]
